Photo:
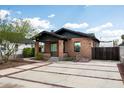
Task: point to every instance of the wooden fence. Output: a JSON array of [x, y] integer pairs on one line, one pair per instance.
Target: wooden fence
[[106, 53]]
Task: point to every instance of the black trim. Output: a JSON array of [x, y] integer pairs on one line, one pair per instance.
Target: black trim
[[78, 33], [57, 34]]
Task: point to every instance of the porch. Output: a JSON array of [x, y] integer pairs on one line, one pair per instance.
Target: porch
[[53, 45]]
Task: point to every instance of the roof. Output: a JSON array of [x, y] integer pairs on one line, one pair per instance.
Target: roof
[[56, 34], [50, 33], [90, 35]]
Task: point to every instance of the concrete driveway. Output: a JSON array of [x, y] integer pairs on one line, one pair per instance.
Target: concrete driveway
[[99, 74]]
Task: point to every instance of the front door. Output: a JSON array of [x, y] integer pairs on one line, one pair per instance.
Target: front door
[[53, 49]]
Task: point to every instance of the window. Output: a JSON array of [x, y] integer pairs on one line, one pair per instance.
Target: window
[[42, 47], [77, 46]]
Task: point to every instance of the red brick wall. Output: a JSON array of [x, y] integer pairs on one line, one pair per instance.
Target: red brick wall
[[47, 47], [66, 46], [86, 45], [36, 47], [60, 48]]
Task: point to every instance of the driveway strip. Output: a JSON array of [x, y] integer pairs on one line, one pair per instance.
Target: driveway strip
[[57, 85], [54, 77], [85, 69], [23, 70], [78, 75], [88, 64], [27, 69]]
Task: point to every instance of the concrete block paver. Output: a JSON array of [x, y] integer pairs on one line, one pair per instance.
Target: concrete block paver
[[9, 71], [68, 80], [10, 83], [26, 66], [93, 62], [41, 76], [63, 74], [100, 74], [40, 64], [31, 65], [92, 83], [87, 67]]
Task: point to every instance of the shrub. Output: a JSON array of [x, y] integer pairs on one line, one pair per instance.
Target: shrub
[[27, 52], [33, 52], [39, 56]]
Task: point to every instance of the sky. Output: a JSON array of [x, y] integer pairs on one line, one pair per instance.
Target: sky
[[106, 22]]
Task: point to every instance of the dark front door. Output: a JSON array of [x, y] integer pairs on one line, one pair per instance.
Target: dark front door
[[53, 49]]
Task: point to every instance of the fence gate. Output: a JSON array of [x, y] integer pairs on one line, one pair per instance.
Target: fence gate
[[105, 53]]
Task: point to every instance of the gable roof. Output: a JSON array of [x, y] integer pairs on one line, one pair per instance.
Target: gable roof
[[58, 35], [50, 33], [91, 35]]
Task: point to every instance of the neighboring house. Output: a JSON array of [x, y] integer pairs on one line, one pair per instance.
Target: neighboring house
[[65, 42], [106, 44], [27, 43]]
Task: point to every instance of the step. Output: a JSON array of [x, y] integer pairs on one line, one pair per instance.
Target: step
[[53, 59]]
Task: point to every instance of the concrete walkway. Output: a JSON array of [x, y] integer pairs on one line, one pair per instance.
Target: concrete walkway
[[98, 74]]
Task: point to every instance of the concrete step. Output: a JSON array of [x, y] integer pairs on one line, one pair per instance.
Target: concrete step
[[53, 59]]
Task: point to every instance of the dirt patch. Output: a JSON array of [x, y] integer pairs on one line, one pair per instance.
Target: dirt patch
[[14, 63]]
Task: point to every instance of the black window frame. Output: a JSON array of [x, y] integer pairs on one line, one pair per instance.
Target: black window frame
[[75, 49]]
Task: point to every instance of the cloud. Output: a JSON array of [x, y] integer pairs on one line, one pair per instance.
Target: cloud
[[39, 24], [75, 25], [51, 16], [101, 27], [111, 35], [4, 14], [106, 32], [18, 12]]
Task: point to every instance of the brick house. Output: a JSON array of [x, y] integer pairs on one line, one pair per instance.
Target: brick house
[[65, 42]]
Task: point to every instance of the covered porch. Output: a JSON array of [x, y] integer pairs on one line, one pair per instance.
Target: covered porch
[[52, 45]]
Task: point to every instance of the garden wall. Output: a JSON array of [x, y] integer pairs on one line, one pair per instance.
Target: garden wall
[[122, 54]]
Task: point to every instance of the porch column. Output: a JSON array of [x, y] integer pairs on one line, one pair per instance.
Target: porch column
[[60, 48], [47, 47], [36, 47]]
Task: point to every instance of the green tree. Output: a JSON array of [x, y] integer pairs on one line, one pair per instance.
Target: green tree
[[115, 42], [11, 35], [122, 37]]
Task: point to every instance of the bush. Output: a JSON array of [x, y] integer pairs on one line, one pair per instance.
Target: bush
[[33, 52], [27, 52], [39, 56]]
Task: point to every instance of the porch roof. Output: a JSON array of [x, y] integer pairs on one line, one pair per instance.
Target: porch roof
[[58, 34], [44, 35]]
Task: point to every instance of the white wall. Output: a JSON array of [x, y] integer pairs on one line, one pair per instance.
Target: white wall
[[21, 47], [108, 44], [20, 50], [122, 53]]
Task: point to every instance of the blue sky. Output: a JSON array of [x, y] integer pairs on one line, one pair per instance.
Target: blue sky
[[100, 20]]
